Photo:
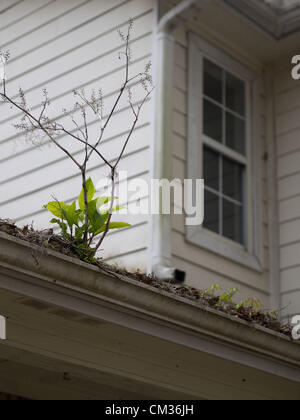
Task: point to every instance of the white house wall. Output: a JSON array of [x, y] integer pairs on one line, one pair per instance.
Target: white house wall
[[63, 45], [287, 101]]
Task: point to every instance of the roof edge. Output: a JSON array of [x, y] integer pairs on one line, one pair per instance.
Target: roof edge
[[29, 268], [269, 20]]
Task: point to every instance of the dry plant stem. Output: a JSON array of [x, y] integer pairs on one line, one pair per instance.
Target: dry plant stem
[[114, 168], [122, 90], [113, 174], [39, 126], [86, 214]]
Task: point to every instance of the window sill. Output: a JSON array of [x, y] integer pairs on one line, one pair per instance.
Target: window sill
[[223, 247]]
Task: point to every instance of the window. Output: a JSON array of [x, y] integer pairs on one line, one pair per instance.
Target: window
[[224, 123], [222, 150]]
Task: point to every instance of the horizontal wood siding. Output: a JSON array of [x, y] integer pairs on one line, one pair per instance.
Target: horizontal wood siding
[[287, 101], [65, 45]]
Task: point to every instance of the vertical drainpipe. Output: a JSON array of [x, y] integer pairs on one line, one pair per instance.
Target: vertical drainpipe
[[160, 252], [160, 226]]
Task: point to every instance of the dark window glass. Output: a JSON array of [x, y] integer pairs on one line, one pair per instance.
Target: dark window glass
[[211, 169], [213, 121], [213, 84], [232, 221], [233, 179], [235, 133], [235, 94], [211, 212], [224, 112]]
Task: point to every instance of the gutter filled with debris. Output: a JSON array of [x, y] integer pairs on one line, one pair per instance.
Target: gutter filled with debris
[[47, 239]]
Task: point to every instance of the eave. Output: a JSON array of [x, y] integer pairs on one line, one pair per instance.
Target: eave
[[277, 25]]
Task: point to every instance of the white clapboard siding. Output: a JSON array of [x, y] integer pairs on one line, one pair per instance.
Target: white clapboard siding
[[204, 268], [134, 261], [64, 45], [29, 27], [288, 178], [291, 301], [21, 11], [8, 4], [87, 33], [78, 58]]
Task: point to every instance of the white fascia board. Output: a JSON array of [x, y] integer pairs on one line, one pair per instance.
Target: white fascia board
[[68, 283], [277, 24]]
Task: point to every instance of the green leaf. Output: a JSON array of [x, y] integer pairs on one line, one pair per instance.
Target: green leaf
[[63, 226], [96, 220], [80, 215], [92, 208], [105, 213], [79, 232], [72, 216], [64, 230], [118, 225], [58, 209], [90, 194], [101, 201], [53, 221], [114, 225]]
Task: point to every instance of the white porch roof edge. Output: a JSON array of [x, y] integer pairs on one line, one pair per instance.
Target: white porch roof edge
[[277, 22], [54, 279]]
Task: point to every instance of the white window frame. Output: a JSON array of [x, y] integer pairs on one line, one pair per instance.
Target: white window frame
[[251, 254]]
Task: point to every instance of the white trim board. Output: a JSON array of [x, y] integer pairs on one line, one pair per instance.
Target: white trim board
[[277, 25]]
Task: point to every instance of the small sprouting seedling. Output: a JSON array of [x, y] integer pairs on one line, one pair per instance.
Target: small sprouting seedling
[[212, 290], [252, 305], [273, 315], [72, 220], [227, 297]]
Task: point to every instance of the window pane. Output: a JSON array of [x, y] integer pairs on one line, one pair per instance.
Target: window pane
[[233, 179], [213, 81], [211, 212], [211, 169], [235, 94], [213, 121], [235, 133], [232, 221]]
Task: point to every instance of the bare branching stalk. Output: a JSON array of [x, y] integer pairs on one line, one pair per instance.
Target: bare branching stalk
[[93, 104]]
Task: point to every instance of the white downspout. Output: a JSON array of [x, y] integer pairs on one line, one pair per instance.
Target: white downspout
[[161, 225]]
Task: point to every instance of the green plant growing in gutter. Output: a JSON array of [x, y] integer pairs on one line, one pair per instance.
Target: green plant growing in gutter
[[71, 220], [89, 223], [226, 298], [251, 307]]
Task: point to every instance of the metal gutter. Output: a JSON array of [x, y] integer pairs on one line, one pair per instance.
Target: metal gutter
[[183, 10], [52, 278]]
